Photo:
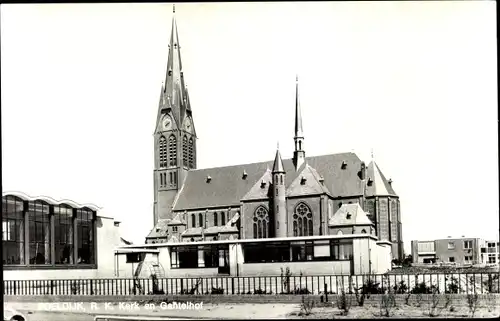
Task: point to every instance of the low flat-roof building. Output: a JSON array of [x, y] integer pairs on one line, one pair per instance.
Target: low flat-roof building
[[47, 239]]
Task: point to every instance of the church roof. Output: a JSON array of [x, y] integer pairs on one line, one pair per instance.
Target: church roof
[[278, 163], [228, 185], [349, 214], [308, 182], [160, 229], [377, 184]]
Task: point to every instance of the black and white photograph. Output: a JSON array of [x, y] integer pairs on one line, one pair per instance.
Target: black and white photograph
[[249, 160]]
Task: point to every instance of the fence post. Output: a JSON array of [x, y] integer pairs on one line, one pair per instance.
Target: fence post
[[232, 286], [326, 293]]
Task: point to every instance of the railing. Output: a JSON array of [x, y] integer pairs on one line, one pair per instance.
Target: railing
[[459, 283]]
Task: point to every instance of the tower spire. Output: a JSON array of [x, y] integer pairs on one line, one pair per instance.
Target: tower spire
[[298, 114], [174, 78], [299, 153]]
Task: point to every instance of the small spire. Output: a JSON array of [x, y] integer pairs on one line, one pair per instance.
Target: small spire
[[372, 154], [296, 78], [278, 145], [173, 8], [278, 163]]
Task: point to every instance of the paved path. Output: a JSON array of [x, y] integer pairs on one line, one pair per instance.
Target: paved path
[[86, 311]]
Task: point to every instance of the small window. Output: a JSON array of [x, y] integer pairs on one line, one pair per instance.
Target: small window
[[200, 218], [451, 259], [193, 220], [216, 220], [348, 216], [223, 218], [340, 204], [174, 228], [281, 179], [344, 165], [468, 244], [363, 231], [451, 245]]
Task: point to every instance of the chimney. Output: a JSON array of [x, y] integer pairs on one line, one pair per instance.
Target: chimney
[[362, 172]]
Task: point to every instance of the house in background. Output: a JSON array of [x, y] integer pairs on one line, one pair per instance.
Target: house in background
[[457, 251], [47, 239], [490, 253]]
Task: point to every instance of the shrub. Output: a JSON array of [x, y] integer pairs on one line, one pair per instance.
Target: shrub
[[472, 302], [301, 291], [259, 291], [491, 284], [491, 303], [156, 288], [75, 287], [453, 286], [217, 290], [434, 308], [285, 280], [306, 305], [387, 303], [344, 302], [400, 288]]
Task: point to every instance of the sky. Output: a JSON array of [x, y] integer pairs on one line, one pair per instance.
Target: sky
[[416, 82]]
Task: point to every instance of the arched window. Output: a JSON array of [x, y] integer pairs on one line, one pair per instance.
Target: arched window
[[216, 220], [340, 204], [185, 151], [193, 220], [261, 223], [223, 218], [191, 153], [340, 233], [281, 179], [13, 230], [63, 234], [302, 221], [200, 219], [39, 231], [172, 150], [363, 231], [163, 152]]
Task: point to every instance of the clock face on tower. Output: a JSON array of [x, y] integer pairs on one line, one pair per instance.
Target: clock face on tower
[[188, 126], [167, 123]]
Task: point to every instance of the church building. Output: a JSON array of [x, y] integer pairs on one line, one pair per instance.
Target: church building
[[306, 196]]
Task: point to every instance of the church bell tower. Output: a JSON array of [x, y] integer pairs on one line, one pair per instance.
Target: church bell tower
[[174, 134]]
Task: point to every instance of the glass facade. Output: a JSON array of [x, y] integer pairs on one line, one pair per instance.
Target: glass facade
[[39, 234], [297, 251]]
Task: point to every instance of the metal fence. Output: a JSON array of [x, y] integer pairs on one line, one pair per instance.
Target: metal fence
[[460, 283]]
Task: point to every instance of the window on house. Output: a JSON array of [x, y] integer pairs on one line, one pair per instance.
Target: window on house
[[340, 204], [492, 259], [451, 259], [223, 218], [85, 236], [281, 179], [341, 250], [174, 229], [200, 219], [216, 220], [468, 244], [302, 220], [363, 231], [63, 229], [261, 223], [451, 245], [39, 229], [203, 256], [468, 258], [193, 220], [13, 224]]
